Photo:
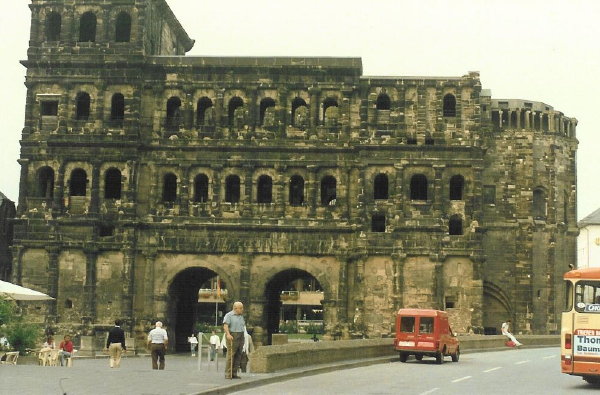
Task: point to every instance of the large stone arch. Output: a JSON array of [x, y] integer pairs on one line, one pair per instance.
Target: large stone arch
[[497, 307]]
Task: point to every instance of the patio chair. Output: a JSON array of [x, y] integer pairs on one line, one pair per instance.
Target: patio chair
[[11, 358], [44, 356]]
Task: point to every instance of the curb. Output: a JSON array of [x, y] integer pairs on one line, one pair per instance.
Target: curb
[[289, 375]]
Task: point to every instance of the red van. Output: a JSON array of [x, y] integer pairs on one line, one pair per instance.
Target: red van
[[425, 332]]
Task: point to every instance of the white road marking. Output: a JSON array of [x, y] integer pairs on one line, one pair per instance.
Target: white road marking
[[461, 379], [521, 362], [492, 369], [549, 356], [430, 391]]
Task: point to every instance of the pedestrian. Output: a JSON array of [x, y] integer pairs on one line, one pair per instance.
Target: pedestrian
[[246, 351], [115, 344], [215, 343], [506, 332], [233, 325], [157, 342], [193, 344], [66, 349]]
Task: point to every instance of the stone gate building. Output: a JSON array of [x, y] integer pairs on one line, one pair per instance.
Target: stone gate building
[[146, 173]]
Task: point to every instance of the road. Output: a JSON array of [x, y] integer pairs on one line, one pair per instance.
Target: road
[[524, 371]]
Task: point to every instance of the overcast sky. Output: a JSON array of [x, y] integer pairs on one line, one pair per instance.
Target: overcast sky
[[544, 50]]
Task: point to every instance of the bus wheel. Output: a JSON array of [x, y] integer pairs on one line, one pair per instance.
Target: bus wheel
[[419, 357], [456, 355], [403, 356], [439, 358]]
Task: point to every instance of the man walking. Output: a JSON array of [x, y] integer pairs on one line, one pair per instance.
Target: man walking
[[234, 325], [157, 342], [115, 344]]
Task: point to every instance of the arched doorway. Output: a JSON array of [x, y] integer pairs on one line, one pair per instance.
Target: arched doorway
[[293, 303], [496, 310], [196, 299]]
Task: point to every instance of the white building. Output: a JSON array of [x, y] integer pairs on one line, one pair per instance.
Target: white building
[[588, 241]]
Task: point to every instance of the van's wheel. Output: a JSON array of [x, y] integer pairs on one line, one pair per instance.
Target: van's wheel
[[403, 356], [439, 358], [418, 357], [456, 355]]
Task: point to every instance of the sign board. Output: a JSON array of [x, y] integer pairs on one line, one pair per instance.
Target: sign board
[[587, 342]]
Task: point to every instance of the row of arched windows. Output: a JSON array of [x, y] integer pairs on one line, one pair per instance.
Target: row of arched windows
[[87, 27], [83, 104], [449, 104], [264, 191]]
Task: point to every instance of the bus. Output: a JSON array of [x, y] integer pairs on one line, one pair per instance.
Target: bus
[[580, 325]]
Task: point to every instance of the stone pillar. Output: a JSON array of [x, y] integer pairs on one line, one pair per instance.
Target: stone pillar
[[312, 190], [398, 270], [130, 195], [255, 319], [17, 263], [518, 125], [150, 258], [438, 199], [216, 187], [188, 111], [95, 191], [184, 195], [364, 109], [477, 294], [314, 108], [53, 274], [279, 184], [128, 279], [107, 24], [345, 112], [282, 115], [59, 184], [246, 198], [500, 114], [23, 186], [438, 282], [219, 109], [246, 266], [330, 321], [89, 288]]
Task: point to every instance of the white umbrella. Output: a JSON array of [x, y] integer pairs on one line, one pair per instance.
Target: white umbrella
[[16, 292]]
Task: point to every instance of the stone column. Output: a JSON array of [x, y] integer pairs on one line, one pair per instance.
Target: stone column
[[438, 199], [282, 117], [500, 115], [345, 111], [245, 270], [184, 195], [330, 321], [246, 198], [17, 263], [53, 275], [150, 258], [219, 109], [89, 288], [518, 125], [128, 279], [106, 24], [95, 191], [527, 119], [398, 270], [188, 111], [279, 184], [438, 282], [59, 183], [314, 108], [312, 190], [130, 195], [23, 186]]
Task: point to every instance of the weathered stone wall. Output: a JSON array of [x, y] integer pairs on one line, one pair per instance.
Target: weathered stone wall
[[442, 198]]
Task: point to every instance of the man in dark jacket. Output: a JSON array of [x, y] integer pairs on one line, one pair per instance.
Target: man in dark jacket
[[116, 344]]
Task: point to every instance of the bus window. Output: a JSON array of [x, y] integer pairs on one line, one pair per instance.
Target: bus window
[[426, 325], [407, 324], [587, 296], [569, 296]]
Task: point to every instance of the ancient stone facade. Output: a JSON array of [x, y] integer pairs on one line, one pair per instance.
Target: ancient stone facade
[[7, 213], [146, 173]]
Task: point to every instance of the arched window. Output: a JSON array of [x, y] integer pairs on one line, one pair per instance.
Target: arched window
[[173, 113], [117, 107], [418, 187], [330, 112], [457, 184], [123, 28], [449, 105], [45, 182], [78, 183], [112, 184], [296, 191], [378, 223], [381, 187], [328, 191], [264, 190], [87, 27], [53, 26], [383, 102], [299, 113], [204, 103], [539, 203], [82, 106], [232, 189], [455, 225], [234, 104], [265, 103], [169, 188], [201, 188]]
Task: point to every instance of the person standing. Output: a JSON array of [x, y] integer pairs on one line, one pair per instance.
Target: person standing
[[115, 344], [506, 332], [215, 343], [157, 342], [66, 349], [193, 344], [234, 325]]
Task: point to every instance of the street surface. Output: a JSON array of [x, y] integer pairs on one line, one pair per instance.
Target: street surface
[[525, 371]]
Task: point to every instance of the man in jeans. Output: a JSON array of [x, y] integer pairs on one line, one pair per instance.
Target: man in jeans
[[234, 326], [66, 349], [157, 342]]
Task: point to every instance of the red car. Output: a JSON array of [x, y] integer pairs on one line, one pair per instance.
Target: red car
[[425, 332]]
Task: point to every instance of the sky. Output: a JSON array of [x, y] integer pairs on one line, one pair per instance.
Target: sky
[[539, 50]]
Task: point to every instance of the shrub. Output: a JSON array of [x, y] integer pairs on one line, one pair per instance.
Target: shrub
[[315, 329], [288, 327], [7, 311], [22, 335]]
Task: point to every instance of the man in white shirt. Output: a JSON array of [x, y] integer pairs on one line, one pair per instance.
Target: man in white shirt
[[215, 342], [506, 332], [157, 342]]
